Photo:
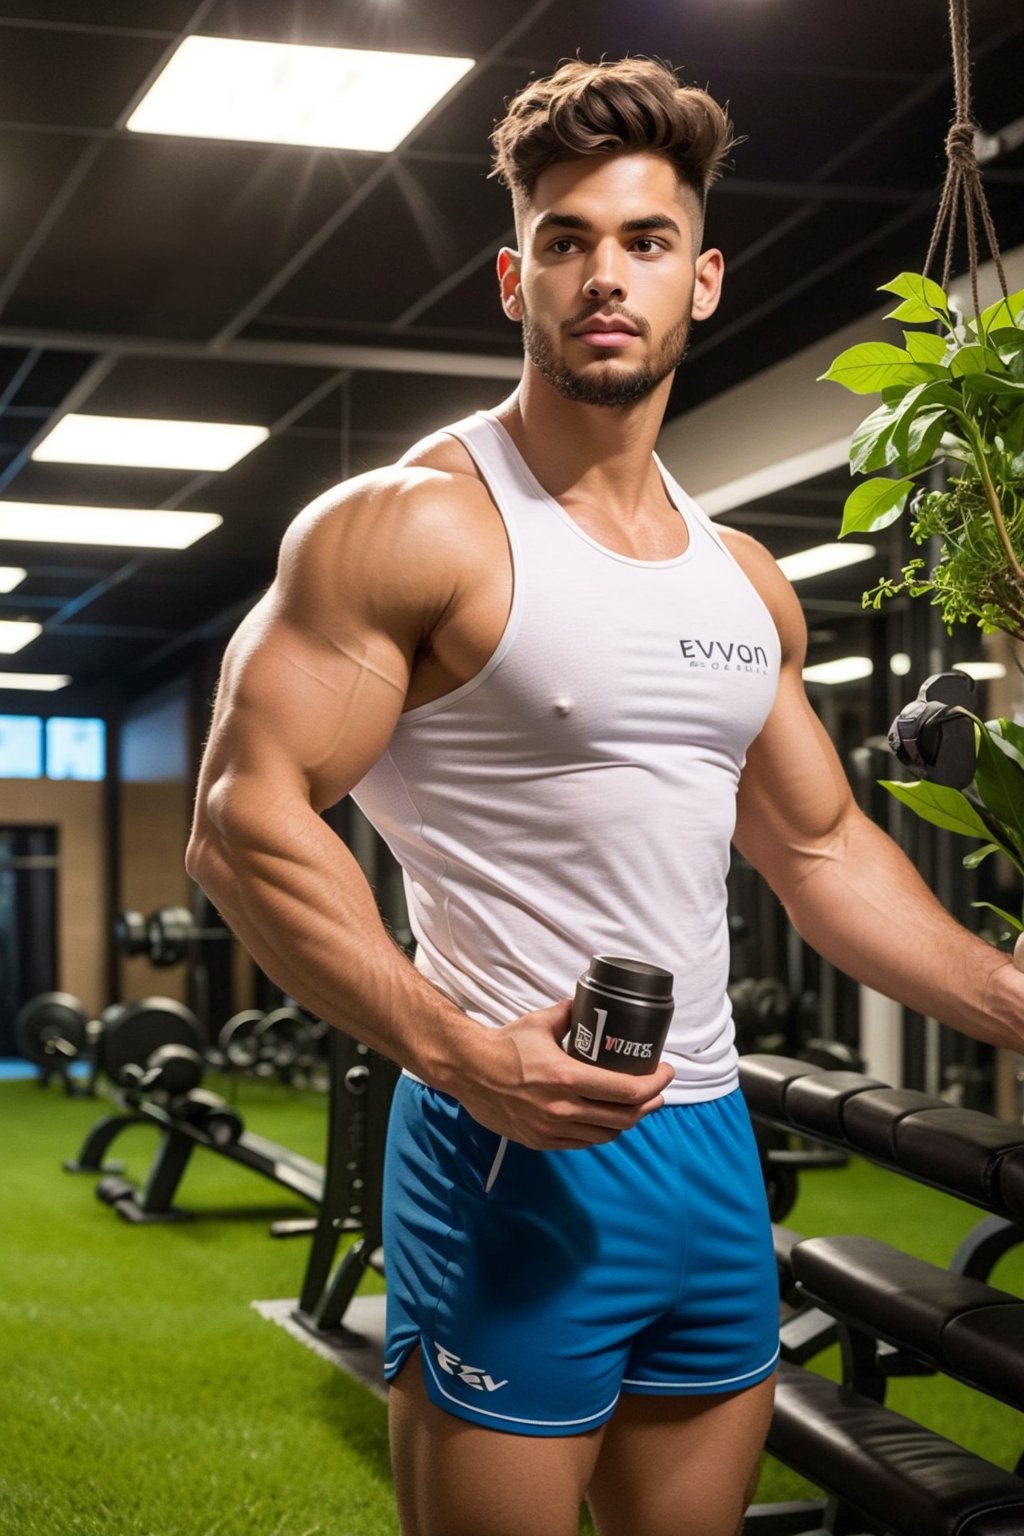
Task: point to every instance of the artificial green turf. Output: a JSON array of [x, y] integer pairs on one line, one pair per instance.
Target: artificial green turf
[[142, 1395]]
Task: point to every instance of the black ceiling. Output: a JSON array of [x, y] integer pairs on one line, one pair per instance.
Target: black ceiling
[[152, 276]]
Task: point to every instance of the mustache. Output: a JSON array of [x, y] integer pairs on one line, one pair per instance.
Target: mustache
[[606, 313]]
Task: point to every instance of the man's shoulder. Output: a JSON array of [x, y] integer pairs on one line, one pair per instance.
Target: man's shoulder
[[775, 590], [433, 480]]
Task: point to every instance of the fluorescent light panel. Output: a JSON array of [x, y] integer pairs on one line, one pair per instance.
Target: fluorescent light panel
[[10, 577], [15, 634], [845, 669], [822, 558], [148, 443], [126, 527], [34, 682], [981, 671], [287, 93]]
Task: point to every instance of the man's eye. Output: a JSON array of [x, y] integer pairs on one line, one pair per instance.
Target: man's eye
[[646, 244], [562, 246]]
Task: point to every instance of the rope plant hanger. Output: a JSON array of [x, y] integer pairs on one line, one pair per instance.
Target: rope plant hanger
[[952, 411], [963, 187], [949, 434]]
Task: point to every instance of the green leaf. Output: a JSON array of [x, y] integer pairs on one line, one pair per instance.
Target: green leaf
[[1000, 785], [870, 445], [874, 505], [874, 365], [1009, 737], [922, 397], [985, 384], [972, 860], [923, 292], [975, 359], [1007, 341], [943, 807], [925, 346], [1012, 430], [1007, 917], [1002, 312], [923, 439]]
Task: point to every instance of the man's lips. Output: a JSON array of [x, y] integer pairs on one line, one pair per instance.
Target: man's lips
[[596, 335]]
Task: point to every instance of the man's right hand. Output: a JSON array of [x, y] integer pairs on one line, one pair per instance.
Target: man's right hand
[[524, 1086]]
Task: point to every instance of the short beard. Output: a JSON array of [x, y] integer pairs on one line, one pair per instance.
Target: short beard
[[610, 387]]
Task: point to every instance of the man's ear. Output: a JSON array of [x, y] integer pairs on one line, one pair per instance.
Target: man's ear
[[508, 282], [707, 290]]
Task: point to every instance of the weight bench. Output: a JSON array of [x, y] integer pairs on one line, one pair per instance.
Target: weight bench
[[894, 1313]]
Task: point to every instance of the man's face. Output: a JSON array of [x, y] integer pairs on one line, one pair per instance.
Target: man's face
[[607, 283]]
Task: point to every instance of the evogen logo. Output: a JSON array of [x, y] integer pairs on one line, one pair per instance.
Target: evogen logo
[[589, 1043], [725, 655]]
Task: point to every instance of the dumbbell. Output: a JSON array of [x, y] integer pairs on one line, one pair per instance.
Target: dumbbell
[[761, 1007], [165, 935], [170, 1069], [210, 1114]]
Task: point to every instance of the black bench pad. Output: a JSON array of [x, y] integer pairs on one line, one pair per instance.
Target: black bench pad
[[1011, 1185], [958, 1149], [914, 1482], [764, 1080], [914, 1304], [816, 1101], [870, 1119], [987, 1347]]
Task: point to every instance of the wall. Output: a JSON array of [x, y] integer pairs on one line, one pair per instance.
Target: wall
[[76, 809], [155, 796]]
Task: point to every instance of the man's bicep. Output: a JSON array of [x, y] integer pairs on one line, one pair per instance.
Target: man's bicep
[[793, 793], [313, 708]]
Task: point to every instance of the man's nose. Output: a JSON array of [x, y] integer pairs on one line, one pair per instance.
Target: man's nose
[[606, 272]]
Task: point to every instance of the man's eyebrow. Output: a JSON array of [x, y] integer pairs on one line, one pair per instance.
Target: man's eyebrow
[[651, 221], [628, 227]]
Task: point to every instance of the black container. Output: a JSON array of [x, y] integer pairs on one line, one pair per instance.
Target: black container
[[621, 1014]]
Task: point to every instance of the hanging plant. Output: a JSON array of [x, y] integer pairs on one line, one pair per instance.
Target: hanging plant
[[952, 399], [949, 432]]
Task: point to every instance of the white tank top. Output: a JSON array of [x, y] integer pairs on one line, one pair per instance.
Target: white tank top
[[577, 796]]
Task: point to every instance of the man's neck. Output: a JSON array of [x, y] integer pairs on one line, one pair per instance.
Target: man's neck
[[587, 452]]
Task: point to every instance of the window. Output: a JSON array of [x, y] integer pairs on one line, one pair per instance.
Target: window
[[75, 749], [21, 747], [69, 749]]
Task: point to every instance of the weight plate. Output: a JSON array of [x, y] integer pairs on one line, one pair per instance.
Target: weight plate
[[46, 1019], [281, 1035], [169, 930], [237, 1038], [130, 932], [143, 1028]]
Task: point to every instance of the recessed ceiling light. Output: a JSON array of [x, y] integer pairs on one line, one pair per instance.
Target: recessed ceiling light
[[35, 682], [845, 669], [10, 576], [822, 558], [128, 527], [981, 671], [147, 443], [287, 93], [16, 633]]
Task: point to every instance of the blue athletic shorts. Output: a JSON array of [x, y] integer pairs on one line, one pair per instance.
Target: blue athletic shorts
[[540, 1285]]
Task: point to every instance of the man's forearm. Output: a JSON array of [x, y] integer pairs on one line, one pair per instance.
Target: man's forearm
[[862, 905], [298, 901]]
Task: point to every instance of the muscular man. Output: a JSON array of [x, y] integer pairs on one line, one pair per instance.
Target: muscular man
[[560, 692]]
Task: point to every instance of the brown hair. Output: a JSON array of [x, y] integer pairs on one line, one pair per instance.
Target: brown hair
[[632, 104]]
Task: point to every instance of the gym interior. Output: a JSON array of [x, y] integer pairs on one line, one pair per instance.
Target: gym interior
[[193, 1278]]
